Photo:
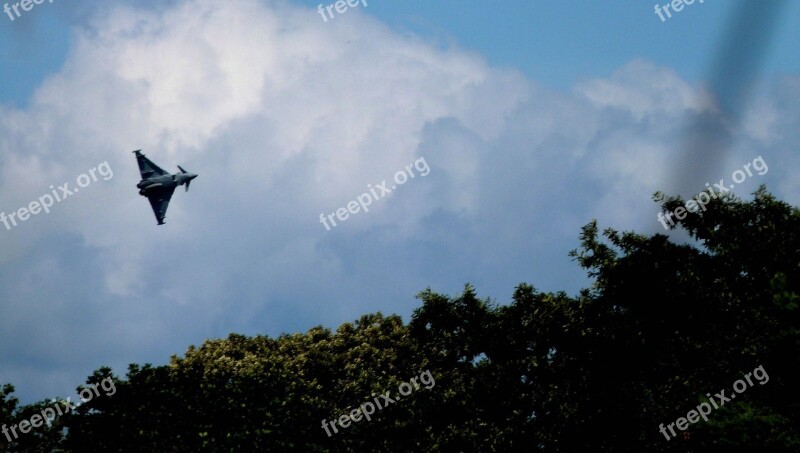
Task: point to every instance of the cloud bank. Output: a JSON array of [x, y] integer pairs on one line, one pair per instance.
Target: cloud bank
[[284, 117]]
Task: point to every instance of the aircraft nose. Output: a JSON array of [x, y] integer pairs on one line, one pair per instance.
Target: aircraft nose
[[191, 176]]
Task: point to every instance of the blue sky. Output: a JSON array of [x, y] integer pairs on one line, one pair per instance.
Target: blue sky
[[534, 117], [557, 43]]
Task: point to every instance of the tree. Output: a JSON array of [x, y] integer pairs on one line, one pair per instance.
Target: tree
[[663, 325]]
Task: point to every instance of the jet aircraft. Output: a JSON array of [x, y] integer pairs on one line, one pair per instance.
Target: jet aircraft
[[158, 185]]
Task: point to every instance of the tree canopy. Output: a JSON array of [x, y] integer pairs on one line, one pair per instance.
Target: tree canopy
[[663, 325]]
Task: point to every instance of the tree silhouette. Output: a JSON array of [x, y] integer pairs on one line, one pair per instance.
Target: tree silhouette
[[663, 325]]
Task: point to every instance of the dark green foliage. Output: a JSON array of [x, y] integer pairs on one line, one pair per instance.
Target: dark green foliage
[[663, 325]]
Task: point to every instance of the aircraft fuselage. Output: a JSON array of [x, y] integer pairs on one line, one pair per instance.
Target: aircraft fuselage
[[156, 184]]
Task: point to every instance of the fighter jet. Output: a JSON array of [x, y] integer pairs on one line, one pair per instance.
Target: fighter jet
[[158, 185]]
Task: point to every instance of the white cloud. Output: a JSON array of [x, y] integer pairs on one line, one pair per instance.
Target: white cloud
[[645, 90]]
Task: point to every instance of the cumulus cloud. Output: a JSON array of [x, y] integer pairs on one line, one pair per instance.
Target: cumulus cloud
[[284, 117]]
